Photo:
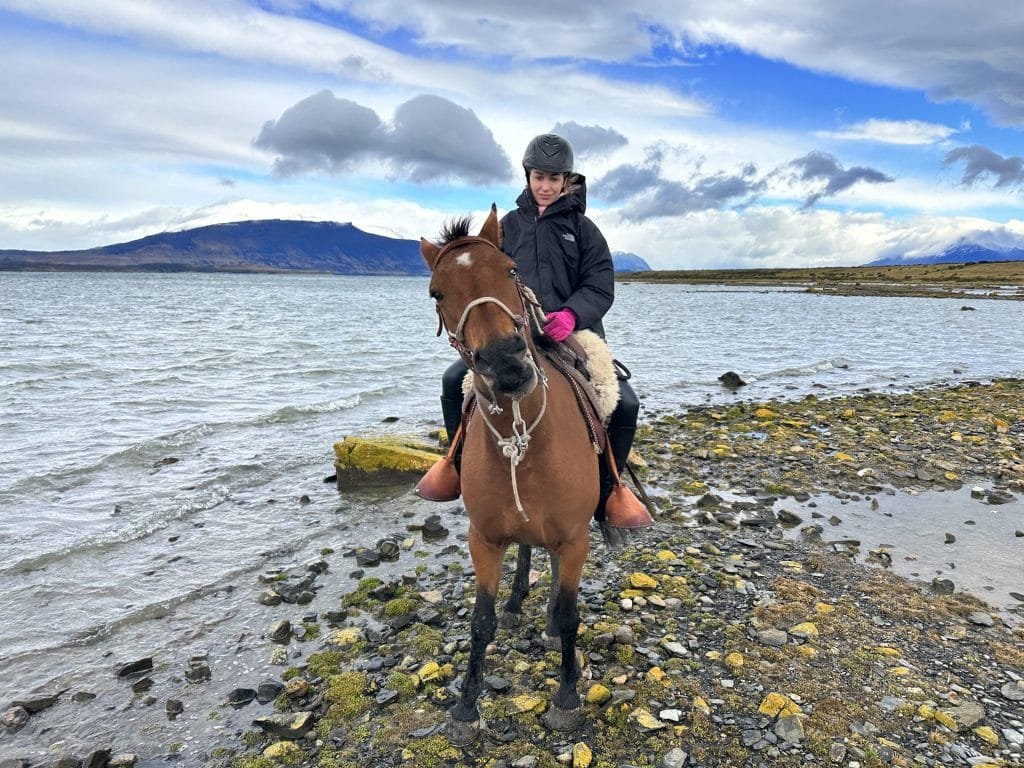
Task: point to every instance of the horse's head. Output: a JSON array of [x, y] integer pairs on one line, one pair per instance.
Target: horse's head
[[480, 302]]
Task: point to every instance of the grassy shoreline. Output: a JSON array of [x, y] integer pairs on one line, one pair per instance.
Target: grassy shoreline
[[996, 280]]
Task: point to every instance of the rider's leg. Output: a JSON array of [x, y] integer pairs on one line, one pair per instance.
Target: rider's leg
[[441, 483], [451, 396], [622, 425], [619, 507]]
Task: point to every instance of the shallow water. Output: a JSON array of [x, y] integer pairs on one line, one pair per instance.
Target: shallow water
[[985, 558], [157, 433]]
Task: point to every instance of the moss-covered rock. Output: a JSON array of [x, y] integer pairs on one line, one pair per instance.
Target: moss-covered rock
[[285, 753], [381, 460]]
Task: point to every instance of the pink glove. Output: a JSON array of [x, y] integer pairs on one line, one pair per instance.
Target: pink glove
[[560, 324]]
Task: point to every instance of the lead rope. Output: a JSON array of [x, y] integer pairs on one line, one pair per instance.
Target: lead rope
[[514, 446]]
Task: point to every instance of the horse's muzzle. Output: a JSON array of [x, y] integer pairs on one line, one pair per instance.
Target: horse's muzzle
[[506, 363]]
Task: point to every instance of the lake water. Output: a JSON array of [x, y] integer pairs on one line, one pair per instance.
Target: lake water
[[109, 552]]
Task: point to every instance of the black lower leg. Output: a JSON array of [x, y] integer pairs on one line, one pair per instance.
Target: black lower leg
[[551, 629], [567, 619], [483, 628], [521, 581]]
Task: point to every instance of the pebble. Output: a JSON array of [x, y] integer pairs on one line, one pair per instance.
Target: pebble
[[433, 529], [674, 758], [268, 690], [173, 708], [774, 638], [675, 648], [14, 718], [280, 631], [240, 697], [1014, 691], [367, 558], [135, 667]]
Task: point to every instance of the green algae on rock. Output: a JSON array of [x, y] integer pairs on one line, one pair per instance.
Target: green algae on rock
[[381, 460]]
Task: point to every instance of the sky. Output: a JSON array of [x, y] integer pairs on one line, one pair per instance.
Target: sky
[[711, 135]]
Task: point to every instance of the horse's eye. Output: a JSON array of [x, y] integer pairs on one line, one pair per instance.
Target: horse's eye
[[513, 273], [436, 295]]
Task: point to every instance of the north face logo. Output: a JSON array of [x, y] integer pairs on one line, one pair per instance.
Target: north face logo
[[569, 236]]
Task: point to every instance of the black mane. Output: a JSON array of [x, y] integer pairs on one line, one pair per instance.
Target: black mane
[[454, 229]]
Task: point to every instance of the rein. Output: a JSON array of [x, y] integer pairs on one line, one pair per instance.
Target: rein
[[514, 446]]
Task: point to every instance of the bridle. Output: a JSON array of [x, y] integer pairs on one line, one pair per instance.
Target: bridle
[[514, 446]]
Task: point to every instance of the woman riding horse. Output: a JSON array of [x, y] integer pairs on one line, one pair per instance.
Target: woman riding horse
[[529, 471], [563, 257]]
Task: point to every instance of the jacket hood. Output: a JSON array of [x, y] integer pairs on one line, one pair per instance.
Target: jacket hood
[[575, 199]]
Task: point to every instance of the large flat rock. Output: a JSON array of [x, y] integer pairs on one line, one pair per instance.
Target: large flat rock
[[387, 460]]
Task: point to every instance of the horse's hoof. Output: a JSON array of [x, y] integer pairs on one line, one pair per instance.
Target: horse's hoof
[[558, 719], [461, 733], [551, 642], [510, 620]]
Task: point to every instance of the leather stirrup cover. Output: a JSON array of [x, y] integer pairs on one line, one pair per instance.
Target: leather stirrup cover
[[441, 483], [624, 510]]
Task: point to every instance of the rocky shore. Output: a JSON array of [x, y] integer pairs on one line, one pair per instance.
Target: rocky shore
[[733, 633]]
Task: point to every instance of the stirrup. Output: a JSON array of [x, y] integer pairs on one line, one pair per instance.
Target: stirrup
[[441, 483], [623, 509]]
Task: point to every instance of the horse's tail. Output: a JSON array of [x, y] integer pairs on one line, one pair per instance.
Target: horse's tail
[[615, 538]]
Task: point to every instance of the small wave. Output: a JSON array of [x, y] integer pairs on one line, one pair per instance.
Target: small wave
[[143, 453], [128, 531], [151, 611], [291, 413], [808, 369]]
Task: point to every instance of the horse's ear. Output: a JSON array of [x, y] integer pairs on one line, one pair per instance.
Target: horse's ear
[[429, 252], [491, 230]]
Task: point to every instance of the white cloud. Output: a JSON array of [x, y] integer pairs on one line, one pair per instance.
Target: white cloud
[[951, 50], [892, 132], [781, 237]]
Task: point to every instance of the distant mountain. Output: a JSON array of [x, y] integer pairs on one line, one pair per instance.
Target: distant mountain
[[246, 246], [272, 245], [961, 253], [629, 262]]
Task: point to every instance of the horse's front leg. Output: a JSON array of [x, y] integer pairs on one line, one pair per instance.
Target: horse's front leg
[[511, 615], [464, 720], [550, 636], [565, 713]]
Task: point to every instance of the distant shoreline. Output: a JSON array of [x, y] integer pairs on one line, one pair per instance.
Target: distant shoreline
[[976, 280]]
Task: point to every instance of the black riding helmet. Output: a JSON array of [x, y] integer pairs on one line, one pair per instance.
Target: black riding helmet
[[549, 153]]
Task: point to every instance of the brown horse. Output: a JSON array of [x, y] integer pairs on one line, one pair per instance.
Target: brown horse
[[529, 471]]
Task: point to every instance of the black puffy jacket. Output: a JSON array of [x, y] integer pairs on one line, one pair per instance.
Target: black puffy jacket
[[562, 256]]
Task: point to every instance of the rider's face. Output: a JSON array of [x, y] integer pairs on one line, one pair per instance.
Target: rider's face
[[546, 187]]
